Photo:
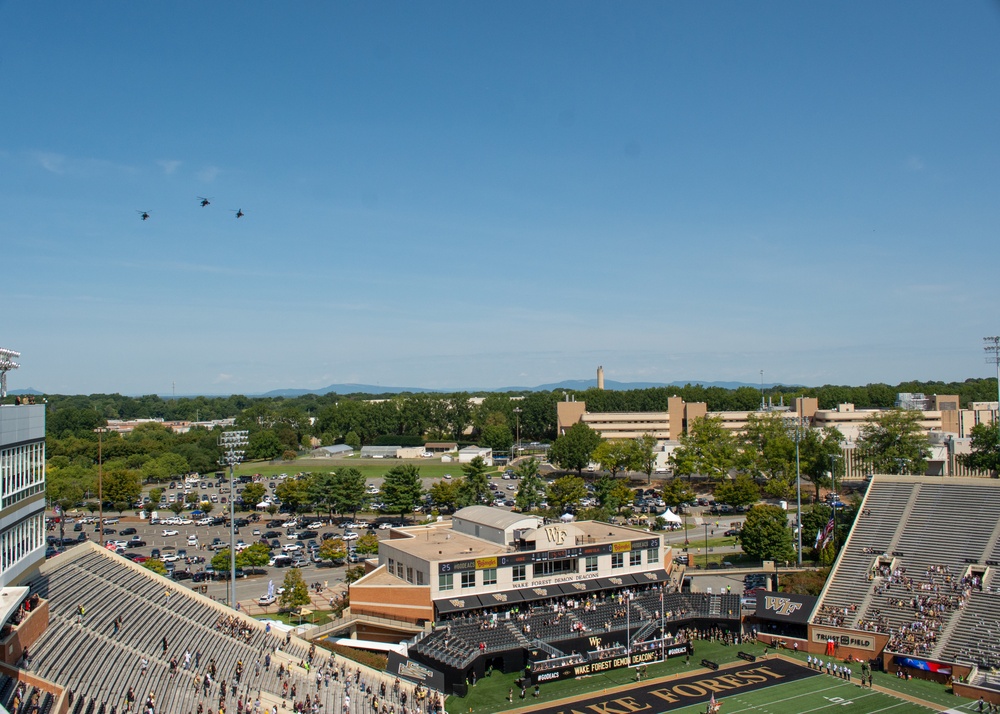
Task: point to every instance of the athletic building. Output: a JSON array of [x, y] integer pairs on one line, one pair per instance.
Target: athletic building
[[488, 557], [22, 491]]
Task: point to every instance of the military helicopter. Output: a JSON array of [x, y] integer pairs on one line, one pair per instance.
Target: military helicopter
[[144, 215], [239, 212], [204, 201]]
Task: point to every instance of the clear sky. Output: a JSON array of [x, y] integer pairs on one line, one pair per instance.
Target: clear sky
[[473, 194]]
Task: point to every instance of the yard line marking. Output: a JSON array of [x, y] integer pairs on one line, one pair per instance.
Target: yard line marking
[[788, 699]]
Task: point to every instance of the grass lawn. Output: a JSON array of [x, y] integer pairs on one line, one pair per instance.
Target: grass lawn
[[319, 617]]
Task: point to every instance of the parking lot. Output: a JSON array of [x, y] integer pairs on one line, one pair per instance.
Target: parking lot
[[187, 542]]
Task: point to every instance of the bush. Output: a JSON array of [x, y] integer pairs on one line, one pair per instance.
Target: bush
[[369, 659]]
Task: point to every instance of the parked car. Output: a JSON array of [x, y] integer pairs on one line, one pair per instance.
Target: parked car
[[167, 532], [127, 531]]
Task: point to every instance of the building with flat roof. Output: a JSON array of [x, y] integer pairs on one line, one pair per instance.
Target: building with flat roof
[[485, 557], [22, 491]]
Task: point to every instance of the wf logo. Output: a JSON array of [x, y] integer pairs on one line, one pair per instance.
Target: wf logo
[[555, 535], [781, 605], [595, 642]]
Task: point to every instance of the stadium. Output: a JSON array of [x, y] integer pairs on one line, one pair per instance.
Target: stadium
[[564, 608]]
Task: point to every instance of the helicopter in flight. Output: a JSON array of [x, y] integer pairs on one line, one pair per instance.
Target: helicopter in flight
[[144, 215], [239, 212], [204, 201]]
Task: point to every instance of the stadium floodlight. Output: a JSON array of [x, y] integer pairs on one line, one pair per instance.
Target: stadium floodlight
[[7, 363], [992, 347], [232, 454]]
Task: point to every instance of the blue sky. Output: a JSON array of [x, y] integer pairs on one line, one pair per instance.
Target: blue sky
[[458, 195]]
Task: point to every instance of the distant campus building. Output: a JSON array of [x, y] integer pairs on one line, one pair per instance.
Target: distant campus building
[[948, 426]]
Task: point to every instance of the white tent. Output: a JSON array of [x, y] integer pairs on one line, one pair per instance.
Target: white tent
[[671, 517], [566, 517]]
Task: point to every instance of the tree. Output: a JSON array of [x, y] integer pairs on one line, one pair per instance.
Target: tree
[[565, 493], [740, 491], [676, 492], [354, 574], [289, 455], [708, 448], [496, 437], [475, 488], [252, 494], [766, 448], [572, 451], [445, 494], [893, 442], [256, 556], [155, 495], [985, 455], [766, 535], [333, 549], [530, 488], [156, 565], [293, 492], [296, 593], [264, 445], [177, 506], [612, 495], [348, 494], [367, 544], [615, 455], [207, 507], [121, 485], [353, 440], [645, 455], [815, 449], [402, 489]]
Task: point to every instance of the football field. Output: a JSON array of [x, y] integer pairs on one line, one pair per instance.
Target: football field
[[770, 686]]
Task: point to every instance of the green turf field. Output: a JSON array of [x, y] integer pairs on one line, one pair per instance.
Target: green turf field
[[816, 694]]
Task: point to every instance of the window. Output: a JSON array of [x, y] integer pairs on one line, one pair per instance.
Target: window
[[420, 577], [469, 579], [554, 567], [445, 581], [617, 560], [635, 558], [399, 570], [591, 566], [392, 566], [653, 555], [520, 573], [490, 576], [409, 574]]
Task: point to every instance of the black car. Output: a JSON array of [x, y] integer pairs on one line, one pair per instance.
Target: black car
[[77, 527], [272, 534], [135, 543], [183, 575], [241, 522], [306, 535], [200, 577], [125, 531], [51, 551], [70, 541]]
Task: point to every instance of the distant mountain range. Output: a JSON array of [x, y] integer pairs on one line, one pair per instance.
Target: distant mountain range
[[578, 385], [570, 384]]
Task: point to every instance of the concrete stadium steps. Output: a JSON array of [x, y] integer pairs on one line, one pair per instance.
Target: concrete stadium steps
[[99, 666]]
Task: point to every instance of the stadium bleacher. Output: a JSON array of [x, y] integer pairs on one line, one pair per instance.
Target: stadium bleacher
[[912, 567], [98, 661]]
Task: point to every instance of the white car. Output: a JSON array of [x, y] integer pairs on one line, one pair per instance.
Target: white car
[[314, 526], [170, 532], [448, 476], [117, 543], [192, 539], [170, 557], [350, 535], [184, 521], [203, 522], [265, 600], [290, 524], [292, 535], [256, 531], [291, 547]]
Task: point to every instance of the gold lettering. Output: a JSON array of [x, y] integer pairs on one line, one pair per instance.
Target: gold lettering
[[773, 675], [632, 705], [731, 679], [689, 690], [752, 678], [713, 685], [665, 694], [605, 708]]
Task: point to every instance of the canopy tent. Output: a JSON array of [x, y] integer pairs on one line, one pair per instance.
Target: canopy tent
[[671, 517]]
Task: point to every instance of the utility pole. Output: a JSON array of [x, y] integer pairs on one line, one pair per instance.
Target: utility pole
[[992, 347]]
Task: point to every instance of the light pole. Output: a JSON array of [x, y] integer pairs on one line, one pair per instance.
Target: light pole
[[798, 487], [706, 546], [992, 348], [833, 479], [100, 484], [232, 454], [517, 421]]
